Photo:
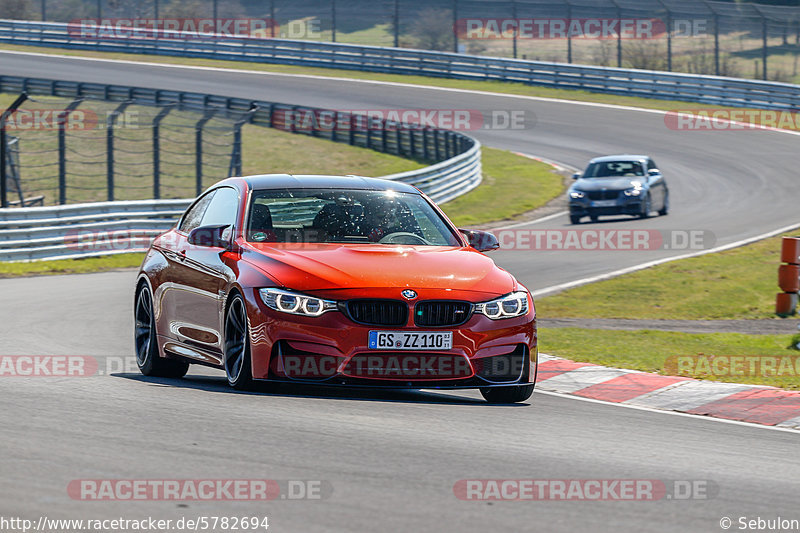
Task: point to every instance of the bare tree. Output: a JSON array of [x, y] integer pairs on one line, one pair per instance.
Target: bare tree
[[433, 29], [14, 9]]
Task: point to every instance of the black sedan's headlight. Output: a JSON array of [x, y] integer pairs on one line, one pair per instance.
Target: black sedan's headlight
[[577, 195], [508, 306], [295, 303]]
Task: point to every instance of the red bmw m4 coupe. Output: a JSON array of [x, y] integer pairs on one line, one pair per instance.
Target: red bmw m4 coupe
[[332, 280]]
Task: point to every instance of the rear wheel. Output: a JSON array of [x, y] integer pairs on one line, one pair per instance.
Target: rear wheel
[[513, 394], [146, 343], [593, 218], [238, 364]]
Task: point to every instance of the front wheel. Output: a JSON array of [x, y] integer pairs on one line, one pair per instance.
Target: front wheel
[[513, 394], [146, 343], [646, 207], [664, 208], [575, 219], [238, 364]]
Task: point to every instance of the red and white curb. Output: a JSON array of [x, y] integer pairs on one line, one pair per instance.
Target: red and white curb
[[756, 404]]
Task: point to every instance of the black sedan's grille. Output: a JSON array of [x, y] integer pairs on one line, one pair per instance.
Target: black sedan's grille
[[433, 313], [603, 195], [378, 312]]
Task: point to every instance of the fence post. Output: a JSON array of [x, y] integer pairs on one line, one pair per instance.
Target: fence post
[[716, 36], [333, 21], [516, 26], [110, 120], [455, 26], [198, 149], [44, 10], [157, 150], [569, 34], [397, 23], [619, 33], [765, 48], [4, 147], [62, 152], [272, 18], [236, 157], [669, 34]]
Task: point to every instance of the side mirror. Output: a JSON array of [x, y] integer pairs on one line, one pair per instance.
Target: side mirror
[[576, 176], [209, 237], [483, 241], [653, 172]]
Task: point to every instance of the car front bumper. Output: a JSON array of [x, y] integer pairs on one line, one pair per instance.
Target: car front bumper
[[333, 350]]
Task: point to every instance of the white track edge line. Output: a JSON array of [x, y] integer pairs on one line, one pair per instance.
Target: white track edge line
[[642, 266], [666, 412], [394, 84]]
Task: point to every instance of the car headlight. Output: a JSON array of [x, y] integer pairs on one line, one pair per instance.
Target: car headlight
[[296, 303], [633, 192], [576, 195], [509, 306]]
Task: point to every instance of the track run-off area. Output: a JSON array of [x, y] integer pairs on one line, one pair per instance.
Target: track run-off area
[[393, 459]]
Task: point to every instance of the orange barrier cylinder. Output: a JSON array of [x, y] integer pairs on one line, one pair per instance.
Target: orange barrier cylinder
[[790, 250], [785, 303], [789, 278]]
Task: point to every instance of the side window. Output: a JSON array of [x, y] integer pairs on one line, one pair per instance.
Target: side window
[[222, 210], [194, 215], [651, 165]]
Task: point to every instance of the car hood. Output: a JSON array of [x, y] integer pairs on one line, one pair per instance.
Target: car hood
[[614, 184], [429, 270]]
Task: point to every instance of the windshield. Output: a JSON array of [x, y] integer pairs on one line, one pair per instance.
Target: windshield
[[614, 169], [353, 216]]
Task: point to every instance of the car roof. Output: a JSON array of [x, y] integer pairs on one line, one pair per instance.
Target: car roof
[[309, 181], [621, 157]]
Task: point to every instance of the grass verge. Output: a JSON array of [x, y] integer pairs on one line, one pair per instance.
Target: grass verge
[[736, 284], [650, 351], [512, 185], [71, 266]]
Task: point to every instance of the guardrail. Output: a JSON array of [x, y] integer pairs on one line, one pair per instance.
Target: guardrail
[[630, 82], [51, 232], [84, 230]]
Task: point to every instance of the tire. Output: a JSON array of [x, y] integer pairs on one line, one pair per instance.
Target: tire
[[646, 207], [513, 394], [665, 208], [238, 362], [574, 219], [145, 340], [593, 218]]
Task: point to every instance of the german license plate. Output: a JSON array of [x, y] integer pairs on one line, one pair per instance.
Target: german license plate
[[410, 340], [604, 203]]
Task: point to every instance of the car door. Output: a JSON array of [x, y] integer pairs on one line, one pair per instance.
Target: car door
[[175, 276], [203, 280]]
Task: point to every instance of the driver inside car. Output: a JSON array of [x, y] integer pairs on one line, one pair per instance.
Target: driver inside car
[[383, 217]]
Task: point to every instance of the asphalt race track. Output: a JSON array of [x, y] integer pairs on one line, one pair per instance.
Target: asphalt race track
[[392, 459]]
